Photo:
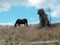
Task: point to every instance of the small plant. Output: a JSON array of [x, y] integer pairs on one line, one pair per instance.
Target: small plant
[[56, 43]]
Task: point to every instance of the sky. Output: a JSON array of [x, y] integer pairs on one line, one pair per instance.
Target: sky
[[11, 10]]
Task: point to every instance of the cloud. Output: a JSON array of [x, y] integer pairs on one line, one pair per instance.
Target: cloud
[[54, 5], [5, 5], [6, 24], [56, 12], [43, 3]]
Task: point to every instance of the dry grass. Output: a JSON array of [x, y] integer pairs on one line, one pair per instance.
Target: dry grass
[[32, 33]]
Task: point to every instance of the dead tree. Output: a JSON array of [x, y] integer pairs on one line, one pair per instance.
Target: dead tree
[[43, 18]]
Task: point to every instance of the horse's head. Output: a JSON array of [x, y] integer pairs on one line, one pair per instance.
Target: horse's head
[[40, 11]]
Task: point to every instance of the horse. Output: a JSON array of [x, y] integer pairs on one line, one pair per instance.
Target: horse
[[43, 18], [21, 21]]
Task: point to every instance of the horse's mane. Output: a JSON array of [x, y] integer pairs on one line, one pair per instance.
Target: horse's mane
[[41, 11]]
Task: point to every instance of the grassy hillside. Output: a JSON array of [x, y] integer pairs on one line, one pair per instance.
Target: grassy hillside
[[9, 35]]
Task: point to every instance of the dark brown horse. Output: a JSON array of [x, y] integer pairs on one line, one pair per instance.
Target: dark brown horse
[[43, 18], [21, 21]]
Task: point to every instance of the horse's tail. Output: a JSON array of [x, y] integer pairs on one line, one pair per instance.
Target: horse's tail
[[26, 22]]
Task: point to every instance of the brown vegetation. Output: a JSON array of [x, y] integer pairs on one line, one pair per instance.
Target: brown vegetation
[[32, 32], [9, 35]]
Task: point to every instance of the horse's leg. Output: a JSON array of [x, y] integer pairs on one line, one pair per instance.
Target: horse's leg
[[48, 24], [26, 24], [19, 25], [15, 24]]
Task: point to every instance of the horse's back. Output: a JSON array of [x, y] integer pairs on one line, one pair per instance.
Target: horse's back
[[25, 19]]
